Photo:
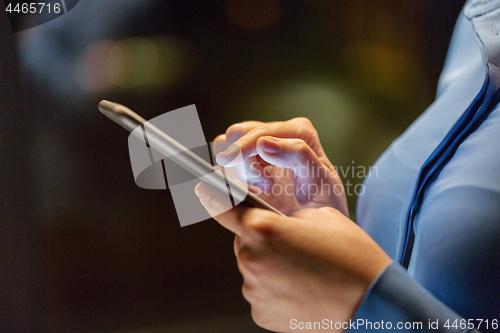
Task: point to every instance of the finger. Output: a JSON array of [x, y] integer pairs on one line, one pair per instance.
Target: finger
[[236, 131], [296, 155], [220, 138], [214, 202], [307, 213], [256, 175], [295, 128], [249, 170], [237, 245], [219, 144], [261, 221], [313, 213]]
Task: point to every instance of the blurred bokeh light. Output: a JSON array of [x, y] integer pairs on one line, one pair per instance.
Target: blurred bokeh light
[[135, 64]]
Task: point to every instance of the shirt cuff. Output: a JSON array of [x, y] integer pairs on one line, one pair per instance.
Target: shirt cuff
[[396, 301]]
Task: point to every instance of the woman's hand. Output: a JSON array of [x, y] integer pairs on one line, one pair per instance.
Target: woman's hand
[[285, 162], [314, 265]]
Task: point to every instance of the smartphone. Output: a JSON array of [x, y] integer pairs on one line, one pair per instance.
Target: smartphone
[[181, 155]]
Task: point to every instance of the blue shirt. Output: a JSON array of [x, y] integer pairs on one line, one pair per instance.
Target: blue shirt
[[434, 206]]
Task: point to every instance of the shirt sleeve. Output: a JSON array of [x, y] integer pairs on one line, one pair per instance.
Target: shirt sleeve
[[395, 301]]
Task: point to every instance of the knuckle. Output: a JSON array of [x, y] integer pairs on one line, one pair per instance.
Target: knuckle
[[329, 210], [219, 144], [259, 316], [249, 293], [238, 130], [235, 131], [245, 291], [302, 149], [245, 255], [220, 138], [259, 129], [303, 121], [305, 128], [300, 145], [237, 245], [256, 224]]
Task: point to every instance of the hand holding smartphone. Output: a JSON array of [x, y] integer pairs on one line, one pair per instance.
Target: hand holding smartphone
[[182, 156]]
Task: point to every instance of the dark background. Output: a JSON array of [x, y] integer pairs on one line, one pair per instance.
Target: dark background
[[83, 248]]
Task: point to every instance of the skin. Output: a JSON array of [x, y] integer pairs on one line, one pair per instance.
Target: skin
[[314, 264]]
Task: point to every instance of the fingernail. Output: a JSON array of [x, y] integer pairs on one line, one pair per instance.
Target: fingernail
[[228, 155], [265, 186], [270, 146], [262, 185], [197, 190]]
